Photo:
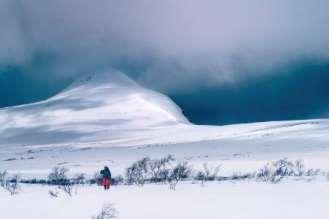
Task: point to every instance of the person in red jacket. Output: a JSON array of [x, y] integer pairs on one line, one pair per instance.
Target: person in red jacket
[[106, 174]]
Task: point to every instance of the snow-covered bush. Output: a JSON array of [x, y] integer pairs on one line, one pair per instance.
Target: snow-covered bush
[[138, 172], [3, 176], [275, 171], [79, 178], [208, 173], [299, 168], [96, 179], [180, 172], [11, 185], [67, 188], [160, 168], [312, 172], [53, 193], [34, 181], [108, 212], [58, 176], [157, 170], [239, 176]]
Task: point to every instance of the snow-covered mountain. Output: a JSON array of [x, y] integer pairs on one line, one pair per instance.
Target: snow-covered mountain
[[114, 118], [109, 108], [98, 107]]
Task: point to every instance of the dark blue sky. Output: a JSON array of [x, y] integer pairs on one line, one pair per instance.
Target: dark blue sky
[[20, 84], [296, 92]]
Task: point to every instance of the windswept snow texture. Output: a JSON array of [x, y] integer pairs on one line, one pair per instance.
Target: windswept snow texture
[[107, 118], [101, 107]]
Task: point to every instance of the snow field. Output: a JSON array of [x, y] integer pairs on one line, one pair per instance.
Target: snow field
[[242, 200]]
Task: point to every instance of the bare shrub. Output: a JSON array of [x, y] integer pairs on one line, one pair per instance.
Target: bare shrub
[[108, 212], [137, 173], [283, 167], [11, 185], [275, 171], [312, 172], [160, 168], [79, 178], [208, 173], [3, 176], [58, 177], [53, 193], [299, 168], [67, 188], [269, 173], [96, 179], [239, 176], [180, 172]]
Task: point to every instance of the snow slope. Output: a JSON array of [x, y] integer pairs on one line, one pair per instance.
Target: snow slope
[[106, 117], [100, 107]]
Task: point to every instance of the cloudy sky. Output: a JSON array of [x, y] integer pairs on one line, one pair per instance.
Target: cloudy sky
[[222, 61]]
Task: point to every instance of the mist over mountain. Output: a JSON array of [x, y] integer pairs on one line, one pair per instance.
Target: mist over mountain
[[221, 61]]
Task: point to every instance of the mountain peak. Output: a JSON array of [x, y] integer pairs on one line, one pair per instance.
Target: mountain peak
[[96, 107]]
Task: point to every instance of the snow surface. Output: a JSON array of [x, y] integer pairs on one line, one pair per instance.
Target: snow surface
[[243, 200]]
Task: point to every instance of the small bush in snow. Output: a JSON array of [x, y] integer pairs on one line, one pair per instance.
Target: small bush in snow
[[276, 171], [11, 185], [3, 177], [208, 173], [299, 168], [53, 193], [180, 172], [96, 179], [239, 176], [79, 179], [67, 188], [312, 172], [160, 168], [137, 173], [108, 212], [58, 176]]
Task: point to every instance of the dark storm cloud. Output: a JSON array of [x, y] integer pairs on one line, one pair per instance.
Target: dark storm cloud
[[209, 40], [297, 91]]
